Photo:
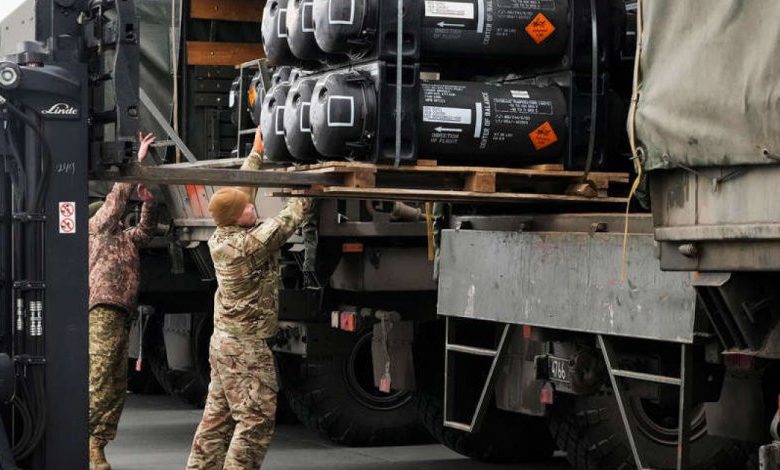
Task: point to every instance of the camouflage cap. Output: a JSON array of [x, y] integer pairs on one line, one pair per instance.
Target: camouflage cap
[[227, 204]]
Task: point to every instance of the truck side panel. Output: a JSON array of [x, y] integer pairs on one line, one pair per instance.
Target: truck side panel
[[569, 281]]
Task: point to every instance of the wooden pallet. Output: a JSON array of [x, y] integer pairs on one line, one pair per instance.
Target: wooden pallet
[[463, 183]]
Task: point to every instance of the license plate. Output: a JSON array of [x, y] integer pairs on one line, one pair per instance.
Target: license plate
[[558, 369]]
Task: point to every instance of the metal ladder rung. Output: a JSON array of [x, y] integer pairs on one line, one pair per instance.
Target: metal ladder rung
[[661, 379], [472, 350], [458, 426]]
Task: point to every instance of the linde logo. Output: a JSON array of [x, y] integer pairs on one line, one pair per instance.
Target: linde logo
[[61, 110]]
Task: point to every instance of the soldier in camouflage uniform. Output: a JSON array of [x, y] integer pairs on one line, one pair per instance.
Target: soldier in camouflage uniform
[[238, 420], [114, 269]]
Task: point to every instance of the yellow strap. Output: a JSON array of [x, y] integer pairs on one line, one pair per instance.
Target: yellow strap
[[632, 137]]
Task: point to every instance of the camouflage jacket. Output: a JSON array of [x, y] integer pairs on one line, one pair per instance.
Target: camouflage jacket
[[114, 265], [246, 262]]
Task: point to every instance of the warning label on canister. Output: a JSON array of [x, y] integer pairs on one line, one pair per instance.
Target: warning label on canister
[[540, 28], [543, 136], [441, 9], [446, 115]]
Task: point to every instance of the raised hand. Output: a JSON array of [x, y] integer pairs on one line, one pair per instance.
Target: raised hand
[[145, 142], [144, 194]]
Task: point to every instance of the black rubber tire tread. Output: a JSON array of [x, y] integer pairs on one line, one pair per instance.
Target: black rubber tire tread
[[322, 402], [143, 382], [504, 437], [590, 431], [186, 385]]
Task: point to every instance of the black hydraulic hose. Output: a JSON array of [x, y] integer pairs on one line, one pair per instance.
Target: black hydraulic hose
[[37, 398], [21, 178], [38, 413], [43, 184], [27, 426]]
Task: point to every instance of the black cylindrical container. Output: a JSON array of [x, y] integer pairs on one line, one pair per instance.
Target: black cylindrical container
[[297, 125], [478, 123], [272, 123], [300, 30], [274, 32], [343, 114], [507, 28], [345, 26], [281, 75]]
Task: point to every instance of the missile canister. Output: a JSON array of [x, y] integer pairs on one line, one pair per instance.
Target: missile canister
[[453, 28], [300, 30], [503, 28], [343, 114], [272, 123], [274, 32], [342, 26], [297, 125], [474, 122]]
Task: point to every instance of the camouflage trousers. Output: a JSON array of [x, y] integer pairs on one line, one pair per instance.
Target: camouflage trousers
[[238, 421], [109, 330]]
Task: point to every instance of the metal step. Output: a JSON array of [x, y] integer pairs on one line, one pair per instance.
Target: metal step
[[458, 426], [661, 379], [472, 350]]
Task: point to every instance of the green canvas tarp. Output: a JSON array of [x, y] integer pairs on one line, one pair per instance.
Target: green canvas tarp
[[709, 83]]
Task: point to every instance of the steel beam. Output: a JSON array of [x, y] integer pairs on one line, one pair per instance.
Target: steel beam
[[178, 175]]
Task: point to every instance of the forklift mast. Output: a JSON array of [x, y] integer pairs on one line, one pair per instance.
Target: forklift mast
[[68, 108]]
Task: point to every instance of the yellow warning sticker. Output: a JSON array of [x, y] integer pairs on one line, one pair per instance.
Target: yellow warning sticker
[[543, 136], [539, 28]]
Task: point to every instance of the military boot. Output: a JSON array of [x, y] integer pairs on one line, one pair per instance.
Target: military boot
[[97, 456]]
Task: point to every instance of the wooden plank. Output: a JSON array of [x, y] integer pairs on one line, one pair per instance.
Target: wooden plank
[[341, 166], [227, 10], [360, 179], [222, 53], [481, 182], [394, 194]]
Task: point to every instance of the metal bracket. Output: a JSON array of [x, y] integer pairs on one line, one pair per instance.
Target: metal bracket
[[685, 382], [158, 116], [29, 285], [28, 217]]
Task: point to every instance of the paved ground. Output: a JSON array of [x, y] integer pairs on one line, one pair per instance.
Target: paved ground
[[156, 431]]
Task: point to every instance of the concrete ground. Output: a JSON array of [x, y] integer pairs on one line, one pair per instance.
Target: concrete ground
[[156, 432]]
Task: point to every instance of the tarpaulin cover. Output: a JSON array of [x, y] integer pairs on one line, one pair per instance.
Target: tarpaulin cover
[[709, 82]]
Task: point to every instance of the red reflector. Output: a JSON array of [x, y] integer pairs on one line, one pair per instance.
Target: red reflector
[[527, 330], [348, 321], [546, 395], [352, 248]]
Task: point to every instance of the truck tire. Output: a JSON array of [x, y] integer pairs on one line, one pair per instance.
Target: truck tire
[[190, 385], [504, 437], [141, 382], [590, 430], [335, 396]]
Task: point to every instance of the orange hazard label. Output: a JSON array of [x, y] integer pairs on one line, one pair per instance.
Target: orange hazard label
[[539, 28], [543, 136]]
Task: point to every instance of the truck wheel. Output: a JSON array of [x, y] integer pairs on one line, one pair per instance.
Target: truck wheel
[[189, 385], [143, 382], [336, 397], [590, 430], [504, 437]]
